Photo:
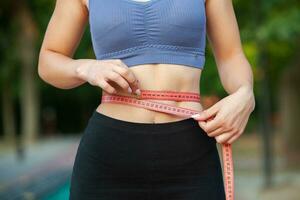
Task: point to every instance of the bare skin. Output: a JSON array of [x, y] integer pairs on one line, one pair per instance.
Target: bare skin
[[230, 115]]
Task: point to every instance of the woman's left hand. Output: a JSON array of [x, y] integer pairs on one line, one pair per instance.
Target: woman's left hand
[[227, 119]]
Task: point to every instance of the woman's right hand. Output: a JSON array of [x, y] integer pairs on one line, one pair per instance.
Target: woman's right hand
[[102, 72]]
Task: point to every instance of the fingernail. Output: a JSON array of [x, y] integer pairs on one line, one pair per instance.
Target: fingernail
[[138, 92], [195, 115], [129, 90]]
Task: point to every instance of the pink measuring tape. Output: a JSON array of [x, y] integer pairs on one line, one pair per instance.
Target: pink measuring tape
[[179, 111]]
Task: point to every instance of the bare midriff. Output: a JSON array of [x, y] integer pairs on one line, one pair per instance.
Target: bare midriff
[[161, 77]]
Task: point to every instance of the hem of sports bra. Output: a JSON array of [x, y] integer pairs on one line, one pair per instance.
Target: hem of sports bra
[[182, 49], [162, 57]]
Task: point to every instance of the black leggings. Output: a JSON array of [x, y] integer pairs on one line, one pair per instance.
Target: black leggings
[[123, 160]]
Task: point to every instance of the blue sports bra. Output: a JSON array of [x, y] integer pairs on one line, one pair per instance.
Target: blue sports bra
[[154, 31]]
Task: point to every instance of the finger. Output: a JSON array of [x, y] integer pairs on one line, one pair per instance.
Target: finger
[[223, 137], [207, 114], [106, 87], [129, 76], [119, 80], [238, 134], [214, 124], [202, 125], [216, 132], [233, 138]]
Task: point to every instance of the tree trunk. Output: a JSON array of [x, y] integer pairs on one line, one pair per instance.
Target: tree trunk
[[29, 93], [289, 102]]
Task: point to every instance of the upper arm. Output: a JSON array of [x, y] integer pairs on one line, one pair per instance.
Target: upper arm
[[222, 29], [66, 27]]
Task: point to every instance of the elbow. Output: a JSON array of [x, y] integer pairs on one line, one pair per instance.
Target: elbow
[[46, 75], [42, 74], [51, 78], [229, 55], [44, 71]]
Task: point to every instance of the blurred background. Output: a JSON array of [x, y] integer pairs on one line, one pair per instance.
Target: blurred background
[[40, 126]]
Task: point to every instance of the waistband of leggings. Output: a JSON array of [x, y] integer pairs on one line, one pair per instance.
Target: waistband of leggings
[[165, 127]]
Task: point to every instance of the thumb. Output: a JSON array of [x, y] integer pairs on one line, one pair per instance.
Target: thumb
[[206, 114]]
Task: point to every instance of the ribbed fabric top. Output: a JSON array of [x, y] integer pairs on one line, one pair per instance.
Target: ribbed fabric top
[[155, 31]]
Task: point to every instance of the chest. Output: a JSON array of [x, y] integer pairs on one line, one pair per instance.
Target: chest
[[150, 16]]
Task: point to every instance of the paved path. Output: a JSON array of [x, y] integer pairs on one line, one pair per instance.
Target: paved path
[[46, 166]]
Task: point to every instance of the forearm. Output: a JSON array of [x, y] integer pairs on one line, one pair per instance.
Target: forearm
[[237, 77], [235, 73], [59, 70]]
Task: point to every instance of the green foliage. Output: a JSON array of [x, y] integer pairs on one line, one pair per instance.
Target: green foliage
[[283, 26]]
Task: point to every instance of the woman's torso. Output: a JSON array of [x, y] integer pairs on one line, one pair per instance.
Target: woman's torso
[[175, 77]]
